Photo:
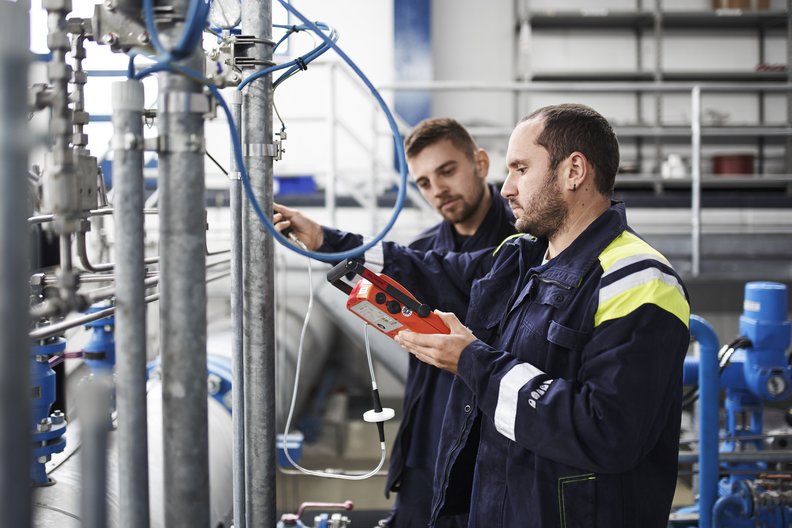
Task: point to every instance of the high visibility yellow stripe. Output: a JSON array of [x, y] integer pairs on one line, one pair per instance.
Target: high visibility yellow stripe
[[625, 246], [505, 240], [655, 291], [647, 286]]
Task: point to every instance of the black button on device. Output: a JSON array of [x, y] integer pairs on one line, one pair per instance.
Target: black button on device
[[379, 298], [393, 306]]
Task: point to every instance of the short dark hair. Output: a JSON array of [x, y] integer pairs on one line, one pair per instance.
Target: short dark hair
[[572, 128], [430, 131]]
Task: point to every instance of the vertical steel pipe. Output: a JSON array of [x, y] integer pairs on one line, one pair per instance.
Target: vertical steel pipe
[[14, 345], [332, 146], [234, 98], [259, 289], [94, 398], [789, 80], [695, 173], [182, 240], [709, 407], [130, 334]]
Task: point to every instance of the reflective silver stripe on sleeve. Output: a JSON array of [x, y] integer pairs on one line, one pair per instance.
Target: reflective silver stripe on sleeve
[[636, 279], [508, 394], [632, 259]]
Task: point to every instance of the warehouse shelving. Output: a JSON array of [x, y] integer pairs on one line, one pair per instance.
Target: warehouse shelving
[[655, 23]]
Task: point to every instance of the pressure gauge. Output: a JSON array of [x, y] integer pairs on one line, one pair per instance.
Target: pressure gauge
[[225, 14]]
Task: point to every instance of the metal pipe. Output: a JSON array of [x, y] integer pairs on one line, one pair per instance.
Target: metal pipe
[[60, 188], [85, 261], [789, 80], [747, 457], [14, 345], [130, 292], [259, 289], [581, 87], [709, 387], [182, 237], [95, 421], [332, 140], [51, 307], [44, 332], [106, 292], [40, 219], [695, 174], [234, 97]]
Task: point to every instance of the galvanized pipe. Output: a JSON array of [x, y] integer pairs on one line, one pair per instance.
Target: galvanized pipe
[[14, 265], [130, 303], [332, 141], [237, 322], [182, 239], [695, 175], [259, 289], [94, 399], [789, 81]]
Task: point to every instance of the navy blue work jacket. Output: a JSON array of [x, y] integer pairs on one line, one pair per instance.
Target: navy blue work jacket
[[427, 388], [566, 410]]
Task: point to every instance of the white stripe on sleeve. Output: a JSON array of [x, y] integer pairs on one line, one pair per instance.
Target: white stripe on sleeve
[[636, 279], [508, 394]]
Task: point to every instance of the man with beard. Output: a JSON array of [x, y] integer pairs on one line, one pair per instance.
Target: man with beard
[[451, 173], [565, 409]]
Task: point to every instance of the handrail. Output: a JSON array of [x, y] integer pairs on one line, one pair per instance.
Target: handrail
[[695, 90]]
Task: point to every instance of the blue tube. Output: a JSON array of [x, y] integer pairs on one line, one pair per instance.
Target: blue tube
[[191, 34], [723, 504], [265, 218], [709, 386]]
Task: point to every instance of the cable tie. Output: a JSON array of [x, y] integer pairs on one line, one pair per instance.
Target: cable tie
[[301, 63]]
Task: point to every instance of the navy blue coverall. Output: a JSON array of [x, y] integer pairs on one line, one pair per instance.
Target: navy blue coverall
[[566, 410], [426, 390]]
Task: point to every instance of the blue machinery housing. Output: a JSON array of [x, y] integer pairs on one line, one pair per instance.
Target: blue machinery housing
[[750, 375]]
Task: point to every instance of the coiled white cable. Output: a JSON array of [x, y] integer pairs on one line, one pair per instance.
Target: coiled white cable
[[323, 474]]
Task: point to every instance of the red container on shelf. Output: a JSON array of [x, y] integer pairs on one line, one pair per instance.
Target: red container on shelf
[[733, 164]]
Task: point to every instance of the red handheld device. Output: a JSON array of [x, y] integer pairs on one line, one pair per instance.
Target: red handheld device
[[384, 303]]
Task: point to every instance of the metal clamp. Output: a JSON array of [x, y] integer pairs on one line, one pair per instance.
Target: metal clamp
[[241, 44], [180, 143], [261, 150]]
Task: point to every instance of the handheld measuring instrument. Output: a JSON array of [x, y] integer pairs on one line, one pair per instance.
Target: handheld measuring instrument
[[384, 303]]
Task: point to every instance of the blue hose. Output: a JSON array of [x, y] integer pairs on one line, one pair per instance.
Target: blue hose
[[265, 219], [191, 34]]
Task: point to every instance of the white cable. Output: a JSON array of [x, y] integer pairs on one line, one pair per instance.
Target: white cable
[[315, 473]]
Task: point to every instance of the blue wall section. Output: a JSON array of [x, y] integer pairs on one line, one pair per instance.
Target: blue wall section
[[412, 37]]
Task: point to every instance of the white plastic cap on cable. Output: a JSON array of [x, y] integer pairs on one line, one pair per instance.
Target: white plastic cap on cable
[[372, 416]]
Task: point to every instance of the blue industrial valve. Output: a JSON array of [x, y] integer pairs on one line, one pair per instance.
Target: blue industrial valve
[[99, 352], [47, 429], [752, 370], [764, 321]]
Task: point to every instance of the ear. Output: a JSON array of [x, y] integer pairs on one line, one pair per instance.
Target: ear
[[579, 171], [482, 163]]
